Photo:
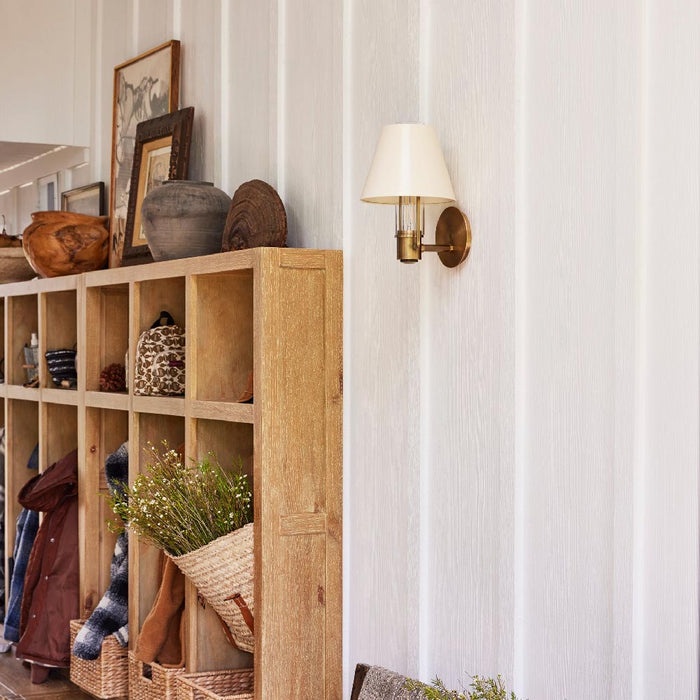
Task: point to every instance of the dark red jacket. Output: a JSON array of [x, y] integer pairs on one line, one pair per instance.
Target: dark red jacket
[[51, 583]]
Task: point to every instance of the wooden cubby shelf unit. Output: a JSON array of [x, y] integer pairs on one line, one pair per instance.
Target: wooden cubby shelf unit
[[268, 315]]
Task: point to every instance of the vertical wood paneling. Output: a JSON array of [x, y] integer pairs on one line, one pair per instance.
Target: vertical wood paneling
[[381, 355], [579, 215], [608, 192], [83, 71], [669, 659], [153, 23], [113, 48], [199, 84], [626, 22], [249, 113], [312, 114], [468, 403], [37, 83]]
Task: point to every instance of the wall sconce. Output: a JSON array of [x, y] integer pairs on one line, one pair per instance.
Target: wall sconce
[[409, 171]]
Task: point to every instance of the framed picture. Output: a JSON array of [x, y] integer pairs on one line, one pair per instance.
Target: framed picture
[[161, 152], [89, 199], [144, 87]]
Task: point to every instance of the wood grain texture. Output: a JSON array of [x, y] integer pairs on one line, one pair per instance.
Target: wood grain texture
[[22, 393], [23, 316], [207, 647], [22, 435], [468, 364], [199, 85], [381, 375], [101, 399], [248, 94], [113, 46], [221, 410], [15, 683], [667, 663], [58, 424], [102, 433], [289, 440], [221, 353], [311, 155], [58, 320], [54, 28], [580, 134], [153, 25], [297, 465]]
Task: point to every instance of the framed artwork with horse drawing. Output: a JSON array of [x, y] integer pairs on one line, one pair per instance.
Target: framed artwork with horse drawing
[[145, 87]]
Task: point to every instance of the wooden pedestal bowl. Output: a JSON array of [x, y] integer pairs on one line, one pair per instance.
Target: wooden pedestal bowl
[[60, 243]]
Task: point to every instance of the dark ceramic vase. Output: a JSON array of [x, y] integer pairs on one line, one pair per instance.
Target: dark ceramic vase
[[184, 218]]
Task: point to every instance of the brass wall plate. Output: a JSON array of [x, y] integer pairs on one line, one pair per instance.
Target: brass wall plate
[[453, 229]]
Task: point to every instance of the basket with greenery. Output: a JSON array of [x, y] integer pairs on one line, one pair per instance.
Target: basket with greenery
[[480, 689], [200, 514]]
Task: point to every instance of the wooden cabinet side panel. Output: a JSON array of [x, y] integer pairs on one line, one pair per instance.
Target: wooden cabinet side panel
[[298, 483]]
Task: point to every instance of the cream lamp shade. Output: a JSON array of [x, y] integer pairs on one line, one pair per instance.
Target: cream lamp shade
[[408, 162]]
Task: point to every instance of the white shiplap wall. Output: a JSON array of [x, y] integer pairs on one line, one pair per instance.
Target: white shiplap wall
[[521, 434], [668, 523], [468, 348], [580, 183], [382, 338]]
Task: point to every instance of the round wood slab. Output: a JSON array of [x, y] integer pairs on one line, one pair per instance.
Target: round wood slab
[[256, 218]]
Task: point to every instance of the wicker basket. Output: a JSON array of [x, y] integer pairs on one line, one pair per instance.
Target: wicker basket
[[220, 570], [152, 681], [105, 677], [216, 685]]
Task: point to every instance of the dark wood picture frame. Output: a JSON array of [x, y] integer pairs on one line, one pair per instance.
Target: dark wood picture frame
[[88, 199], [163, 139], [145, 87]]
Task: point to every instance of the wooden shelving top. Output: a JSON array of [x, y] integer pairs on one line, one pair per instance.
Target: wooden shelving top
[[39, 285], [219, 262]]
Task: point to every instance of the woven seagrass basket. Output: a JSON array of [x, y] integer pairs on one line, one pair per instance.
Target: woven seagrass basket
[[223, 571], [152, 681], [105, 677], [216, 685]]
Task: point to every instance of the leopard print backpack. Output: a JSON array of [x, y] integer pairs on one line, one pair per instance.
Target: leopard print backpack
[[160, 359]]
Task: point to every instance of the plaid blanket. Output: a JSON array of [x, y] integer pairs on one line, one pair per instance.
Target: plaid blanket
[[111, 616]]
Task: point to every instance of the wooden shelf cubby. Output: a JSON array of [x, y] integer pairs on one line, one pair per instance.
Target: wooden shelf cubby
[[21, 437], [107, 330], [22, 320], [271, 314]]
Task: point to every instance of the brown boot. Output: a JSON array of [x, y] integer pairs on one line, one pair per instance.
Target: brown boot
[[39, 673]]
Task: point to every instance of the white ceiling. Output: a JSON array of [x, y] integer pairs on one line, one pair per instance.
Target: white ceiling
[[14, 154]]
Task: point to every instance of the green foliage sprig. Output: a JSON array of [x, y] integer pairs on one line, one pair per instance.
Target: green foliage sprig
[[180, 508], [481, 689]]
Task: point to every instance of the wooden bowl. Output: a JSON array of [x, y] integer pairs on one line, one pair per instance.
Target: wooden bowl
[[64, 243]]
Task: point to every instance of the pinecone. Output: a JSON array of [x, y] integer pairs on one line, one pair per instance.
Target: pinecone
[[113, 378]]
